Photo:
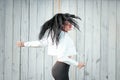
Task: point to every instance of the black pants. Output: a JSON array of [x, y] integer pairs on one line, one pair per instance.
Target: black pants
[[60, 71]]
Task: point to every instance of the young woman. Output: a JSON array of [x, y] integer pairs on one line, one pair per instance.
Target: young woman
[[54, 36]]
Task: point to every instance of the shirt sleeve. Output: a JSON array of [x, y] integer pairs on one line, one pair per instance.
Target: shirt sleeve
[[40, 43], [68, 60]]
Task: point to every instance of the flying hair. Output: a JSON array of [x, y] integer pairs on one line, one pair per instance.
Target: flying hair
[[55, 25]]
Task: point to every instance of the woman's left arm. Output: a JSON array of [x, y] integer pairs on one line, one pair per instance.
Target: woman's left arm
[[68, 60]]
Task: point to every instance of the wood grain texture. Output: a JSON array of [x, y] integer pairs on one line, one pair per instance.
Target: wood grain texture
[[2, 38], [48, 59], [40, 55], [118, 42], [112, 41], [24, 32], [88, 38], [80, 38], [8, 39], [16, 36], [32, 36], [97, 42], [104, 41]]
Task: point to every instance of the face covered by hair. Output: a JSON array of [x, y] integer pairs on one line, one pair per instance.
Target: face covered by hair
[[67, 26], [59, 22]]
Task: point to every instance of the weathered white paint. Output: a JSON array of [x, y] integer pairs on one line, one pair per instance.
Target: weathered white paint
[[24, 37], [8, 39], [80, 38], [88, 38], [40, 55], [32, 36], [112, 41], [98, 42], [2, 39], [104, 41], [118, 42], [16, 36]]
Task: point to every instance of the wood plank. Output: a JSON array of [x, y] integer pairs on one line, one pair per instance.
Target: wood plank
[[8, 39], [40, 56], [112, 41], [96, 40], [65, 6], [24, 37], [72, 33], [88, 38], [32, 36], [80, 38], [2, 38], [40, 69], [118, 42], [57, 6], [16, 36], [48, 59], [104, 41]]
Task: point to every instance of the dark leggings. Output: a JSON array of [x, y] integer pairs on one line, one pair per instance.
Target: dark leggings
[[60, 71]]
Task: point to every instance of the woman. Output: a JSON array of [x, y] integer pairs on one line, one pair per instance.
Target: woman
[[54, 36]]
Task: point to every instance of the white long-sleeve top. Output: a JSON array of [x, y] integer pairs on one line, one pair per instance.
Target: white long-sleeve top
[[62, 51]]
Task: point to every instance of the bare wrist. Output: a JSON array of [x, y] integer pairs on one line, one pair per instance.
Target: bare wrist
[[22, 44]]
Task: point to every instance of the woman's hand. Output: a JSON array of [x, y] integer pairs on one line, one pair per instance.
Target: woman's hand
[[80, 65], [20, 44]]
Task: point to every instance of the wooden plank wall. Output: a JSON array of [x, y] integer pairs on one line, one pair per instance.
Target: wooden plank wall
[[97, 42]]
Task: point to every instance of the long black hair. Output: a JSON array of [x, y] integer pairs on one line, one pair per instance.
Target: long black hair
[[55, 25]]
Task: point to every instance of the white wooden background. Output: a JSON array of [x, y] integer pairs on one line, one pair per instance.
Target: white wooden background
[[98, 43]]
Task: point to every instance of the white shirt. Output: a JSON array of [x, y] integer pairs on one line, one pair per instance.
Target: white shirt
[[63, 50]]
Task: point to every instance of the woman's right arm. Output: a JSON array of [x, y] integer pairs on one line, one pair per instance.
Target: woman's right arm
[[40, 43]]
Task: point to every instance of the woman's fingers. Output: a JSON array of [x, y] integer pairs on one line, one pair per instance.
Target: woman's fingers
[[80, 65], [20, 44]]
